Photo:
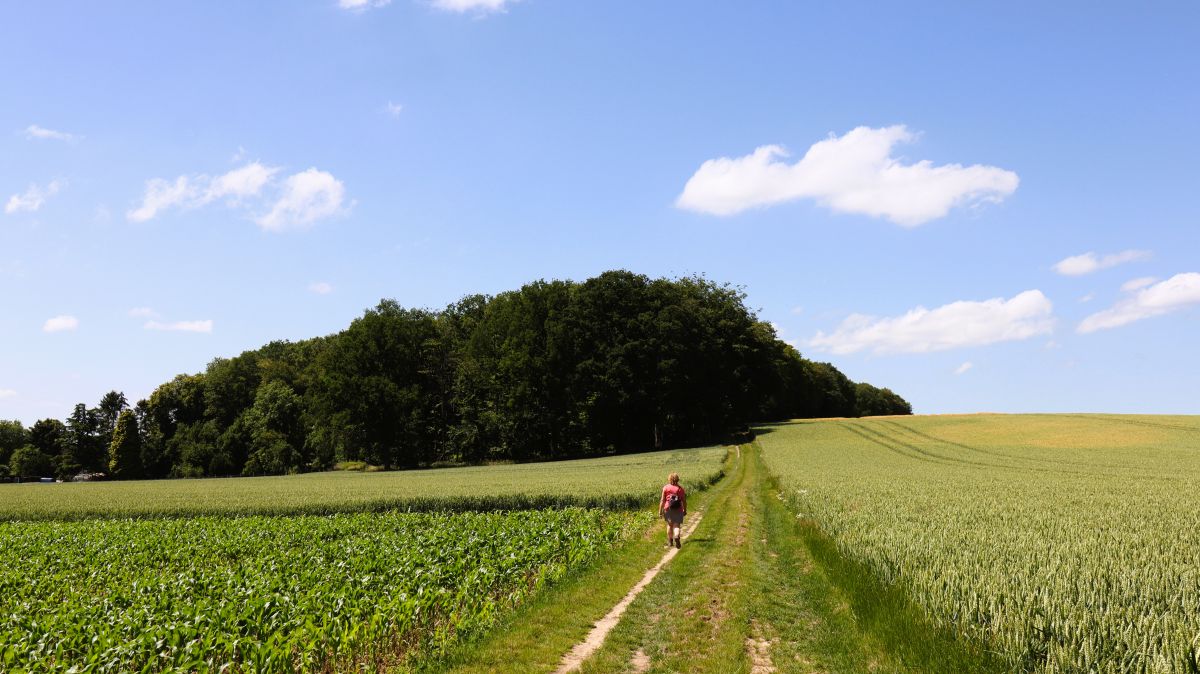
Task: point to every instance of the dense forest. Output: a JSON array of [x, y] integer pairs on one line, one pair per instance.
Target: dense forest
[[557, 369]]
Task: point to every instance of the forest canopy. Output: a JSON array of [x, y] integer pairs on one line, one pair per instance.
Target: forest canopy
[[557, 369]]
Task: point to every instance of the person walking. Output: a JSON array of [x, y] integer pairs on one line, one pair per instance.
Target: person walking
[[672, 507]]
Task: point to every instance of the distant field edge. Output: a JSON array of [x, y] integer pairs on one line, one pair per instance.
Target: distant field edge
[[622, 482]]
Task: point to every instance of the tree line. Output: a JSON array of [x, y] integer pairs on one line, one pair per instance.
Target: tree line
[[557, 369]]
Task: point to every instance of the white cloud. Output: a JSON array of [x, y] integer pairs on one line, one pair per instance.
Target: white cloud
[[41, 133], [320, 287], [854, 173], [393, 109], [181, 326], [301, 199], [362, 5], [307, 196], [246, 181], [143, 312], [161, 195], [197, 191], [1078, 265], [951, 326], [60, 324], [1087, 298], [32, 198], [796, 311], [1146, 301], [1137, 283], [464, 6], [962, 369], [7, 393]]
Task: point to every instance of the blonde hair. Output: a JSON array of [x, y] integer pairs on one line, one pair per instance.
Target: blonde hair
[[673, 478]]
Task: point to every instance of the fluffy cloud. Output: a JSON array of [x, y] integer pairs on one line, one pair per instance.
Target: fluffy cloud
[[854, 173], [196, 191], [7, 393], [1144, 300], [393, 109], [32, 198], [320, 288], [362, 5], [41, 133], [247, 181], [60, 324], [464, 6], [952, 326], [962, 369], [1078, 265], [307, 196], [1137, 283], [181, 326], [301, 199], [161, 195]]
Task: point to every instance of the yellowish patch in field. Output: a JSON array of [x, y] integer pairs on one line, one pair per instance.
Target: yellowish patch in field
[[1048, 432]]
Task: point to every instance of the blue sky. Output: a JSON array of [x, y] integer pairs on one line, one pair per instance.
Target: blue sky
[[182, 181]]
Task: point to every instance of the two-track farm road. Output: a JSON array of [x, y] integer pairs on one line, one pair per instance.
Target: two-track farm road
[[752, 590]]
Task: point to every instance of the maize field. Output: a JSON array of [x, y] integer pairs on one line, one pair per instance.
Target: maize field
[[267, 594]]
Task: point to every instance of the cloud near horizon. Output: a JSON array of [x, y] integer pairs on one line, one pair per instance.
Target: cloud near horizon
[[852, 173], [951, 326], [1145, 299], [7, 393], [32, 198], [302, 198], [1078, 265]]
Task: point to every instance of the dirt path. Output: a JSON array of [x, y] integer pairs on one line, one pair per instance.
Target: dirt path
[[584, 649], [757, 590]]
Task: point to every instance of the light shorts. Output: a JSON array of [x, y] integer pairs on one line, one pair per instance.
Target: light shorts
[[673, 516]]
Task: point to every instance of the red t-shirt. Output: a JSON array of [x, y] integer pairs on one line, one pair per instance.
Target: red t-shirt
[[666, 495]]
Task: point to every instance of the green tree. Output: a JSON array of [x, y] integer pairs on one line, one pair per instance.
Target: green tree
[[27, 461], [276, 433], [125, 462], [375, 392], [172, 428], [13, 435], [83, 450], [107, 412], [49, 436]]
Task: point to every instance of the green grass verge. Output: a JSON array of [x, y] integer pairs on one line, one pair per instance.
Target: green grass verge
[[833, 614]]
